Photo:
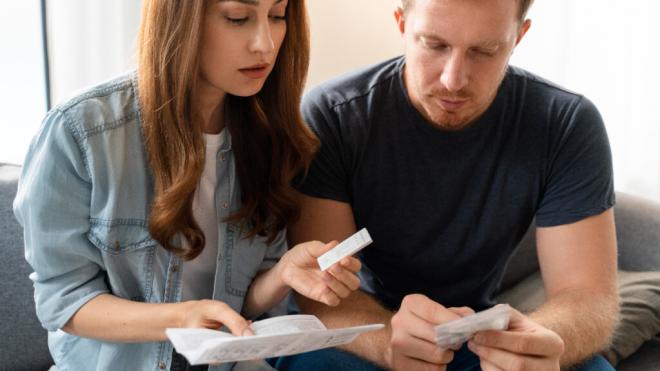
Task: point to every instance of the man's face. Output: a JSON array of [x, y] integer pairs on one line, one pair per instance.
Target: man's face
[[457, 52]]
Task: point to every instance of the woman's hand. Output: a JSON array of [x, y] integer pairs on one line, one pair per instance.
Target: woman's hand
[[300, 271], [212, 314]]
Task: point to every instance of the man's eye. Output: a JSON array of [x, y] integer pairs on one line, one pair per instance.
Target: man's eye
[[433, 44], [483, 52], [236, 21]]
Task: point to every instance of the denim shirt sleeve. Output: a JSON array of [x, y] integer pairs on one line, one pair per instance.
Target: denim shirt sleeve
[[274, 251], [53, 206]]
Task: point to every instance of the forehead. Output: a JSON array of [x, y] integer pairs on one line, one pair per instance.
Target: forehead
[[464, 19], [252, 2]]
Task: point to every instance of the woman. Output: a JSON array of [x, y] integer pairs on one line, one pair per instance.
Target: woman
[[159, 199]]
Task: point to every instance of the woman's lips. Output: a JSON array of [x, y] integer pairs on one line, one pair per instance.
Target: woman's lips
[[257, 71]]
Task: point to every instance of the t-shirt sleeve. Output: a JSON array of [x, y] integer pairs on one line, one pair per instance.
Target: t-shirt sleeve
[[328, 174], [579, 181]]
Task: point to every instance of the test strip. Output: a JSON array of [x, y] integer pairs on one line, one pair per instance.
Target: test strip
[[346, 248], [452, 335]]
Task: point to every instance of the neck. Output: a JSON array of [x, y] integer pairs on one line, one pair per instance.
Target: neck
[[209, 104]]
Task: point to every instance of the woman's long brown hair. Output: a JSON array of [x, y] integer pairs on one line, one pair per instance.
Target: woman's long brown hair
[[270, 141]]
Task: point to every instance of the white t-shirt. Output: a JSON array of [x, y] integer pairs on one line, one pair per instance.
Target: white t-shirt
[[199, 273]]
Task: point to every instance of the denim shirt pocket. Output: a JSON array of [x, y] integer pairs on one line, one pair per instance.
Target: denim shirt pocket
[[244, 257], [127, 250]]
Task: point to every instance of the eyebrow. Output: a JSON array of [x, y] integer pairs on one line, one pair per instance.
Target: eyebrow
[[248, 2], [485, 44]]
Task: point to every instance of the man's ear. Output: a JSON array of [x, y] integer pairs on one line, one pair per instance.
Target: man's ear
[[400, 20], [523, 30]]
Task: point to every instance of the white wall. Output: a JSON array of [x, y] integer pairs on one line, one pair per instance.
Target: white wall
[[347, 34], [22, 86], [90, 41]]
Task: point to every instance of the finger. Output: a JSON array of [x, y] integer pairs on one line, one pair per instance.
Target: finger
[[324, 294], [462, 311], [406, 363], [408, 323], [487, 366], [506, 360], [348, 278], [336, 286], [224, 314], [427, 309], [537, 344], [421, 349], [351, 263]]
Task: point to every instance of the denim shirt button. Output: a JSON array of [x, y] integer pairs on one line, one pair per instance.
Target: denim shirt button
[[116, 245], [175, 268], [162, 365], [225, 205]]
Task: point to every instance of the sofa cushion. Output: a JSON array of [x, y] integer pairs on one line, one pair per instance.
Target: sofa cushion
[[640, 309], [645, 358], [24, 341], [640, 314]]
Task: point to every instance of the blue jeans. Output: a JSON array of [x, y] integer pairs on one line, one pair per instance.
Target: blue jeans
[[333, 359]]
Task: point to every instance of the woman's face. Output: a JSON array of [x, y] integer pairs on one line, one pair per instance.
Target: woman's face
[[239, 46]]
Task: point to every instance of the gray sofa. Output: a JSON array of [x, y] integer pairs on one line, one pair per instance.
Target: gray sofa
[[24, 342]]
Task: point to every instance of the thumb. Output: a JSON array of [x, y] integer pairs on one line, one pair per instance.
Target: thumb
[[317, 248], [462, 311], [517, 319], [428, 310]]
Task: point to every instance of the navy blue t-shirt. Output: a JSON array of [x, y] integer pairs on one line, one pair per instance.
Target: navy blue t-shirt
[[446, 209]]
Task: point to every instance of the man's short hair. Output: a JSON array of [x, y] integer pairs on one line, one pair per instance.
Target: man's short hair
[[522, 12]]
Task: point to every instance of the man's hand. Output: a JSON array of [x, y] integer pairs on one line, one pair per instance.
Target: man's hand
[[526, 345], [412, 345]]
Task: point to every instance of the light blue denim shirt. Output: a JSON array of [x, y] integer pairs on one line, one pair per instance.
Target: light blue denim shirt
[[83, 200]]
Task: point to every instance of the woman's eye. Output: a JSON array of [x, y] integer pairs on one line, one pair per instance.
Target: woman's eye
[[236, 21], [278, 17]]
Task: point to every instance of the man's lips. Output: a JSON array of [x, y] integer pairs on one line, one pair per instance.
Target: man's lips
[[451, 104], [256, 71]]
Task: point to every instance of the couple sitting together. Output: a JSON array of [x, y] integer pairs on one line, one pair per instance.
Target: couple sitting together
[[199, 190]]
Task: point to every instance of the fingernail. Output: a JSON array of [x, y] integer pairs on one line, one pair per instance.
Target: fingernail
[[337, 270]]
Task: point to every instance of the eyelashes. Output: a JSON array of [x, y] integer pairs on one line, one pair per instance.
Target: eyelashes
[[244, 20]]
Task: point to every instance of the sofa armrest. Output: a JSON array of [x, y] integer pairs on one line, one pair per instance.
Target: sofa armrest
[[638, 233]]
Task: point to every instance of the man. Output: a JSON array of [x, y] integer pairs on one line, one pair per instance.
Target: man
[[446, 156]]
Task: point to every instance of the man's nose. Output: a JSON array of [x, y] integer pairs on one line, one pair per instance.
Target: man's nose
[[454, 75]]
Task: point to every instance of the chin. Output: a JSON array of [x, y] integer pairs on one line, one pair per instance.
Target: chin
[[452, 123], [247, 91]]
